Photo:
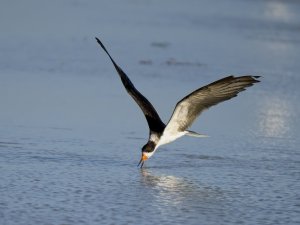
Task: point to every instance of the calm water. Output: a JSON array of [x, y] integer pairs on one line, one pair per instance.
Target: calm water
[[70, 136]]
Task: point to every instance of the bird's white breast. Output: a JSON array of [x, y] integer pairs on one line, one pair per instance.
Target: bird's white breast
[[168, 137]]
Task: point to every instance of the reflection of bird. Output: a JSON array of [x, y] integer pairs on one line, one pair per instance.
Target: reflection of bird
[[186, 110]]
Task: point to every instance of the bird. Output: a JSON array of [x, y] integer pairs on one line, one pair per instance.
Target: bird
[[186, 110]]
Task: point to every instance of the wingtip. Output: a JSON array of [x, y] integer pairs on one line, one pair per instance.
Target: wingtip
[[253, 78], [99, 42], [256, 78], [103, 47]]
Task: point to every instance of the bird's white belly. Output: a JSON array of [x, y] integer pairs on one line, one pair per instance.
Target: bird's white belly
[[169, 137]]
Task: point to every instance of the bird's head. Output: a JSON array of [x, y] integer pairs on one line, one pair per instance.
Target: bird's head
[[147, 151]]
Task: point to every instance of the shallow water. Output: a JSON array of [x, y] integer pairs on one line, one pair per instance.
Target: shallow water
[[70, 136]]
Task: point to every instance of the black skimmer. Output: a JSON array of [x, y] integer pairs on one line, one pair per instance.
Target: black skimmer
[[186, 110]]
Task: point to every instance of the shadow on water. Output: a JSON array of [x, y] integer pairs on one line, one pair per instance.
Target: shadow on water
[[170, 190]]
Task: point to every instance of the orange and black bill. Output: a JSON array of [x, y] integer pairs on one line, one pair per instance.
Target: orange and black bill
[[142, 161]]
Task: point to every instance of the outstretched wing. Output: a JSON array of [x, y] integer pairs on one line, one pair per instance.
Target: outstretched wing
[[154, 122], [191, 106]]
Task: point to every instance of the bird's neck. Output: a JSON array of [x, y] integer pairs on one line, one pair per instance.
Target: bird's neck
[[154, 137]]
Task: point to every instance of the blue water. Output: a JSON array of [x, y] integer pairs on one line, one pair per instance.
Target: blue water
[[70, 136]]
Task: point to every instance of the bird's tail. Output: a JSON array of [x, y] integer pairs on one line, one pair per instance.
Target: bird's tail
[[195, 134]]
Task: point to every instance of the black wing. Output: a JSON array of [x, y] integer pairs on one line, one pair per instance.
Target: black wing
[[154, 122], [191, 106]]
